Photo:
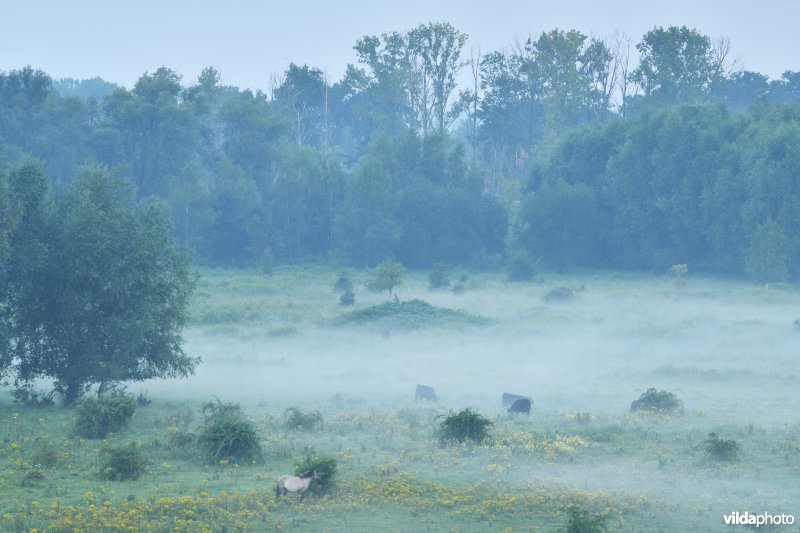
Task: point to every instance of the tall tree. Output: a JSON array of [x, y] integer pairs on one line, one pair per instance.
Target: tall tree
[[109, 297]]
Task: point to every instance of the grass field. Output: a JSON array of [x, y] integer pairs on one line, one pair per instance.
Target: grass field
[[728, 350]]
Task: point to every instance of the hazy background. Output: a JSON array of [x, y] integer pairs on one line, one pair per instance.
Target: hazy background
[[248, 41]]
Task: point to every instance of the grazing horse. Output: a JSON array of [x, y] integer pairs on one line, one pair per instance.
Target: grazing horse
[[424, 392], [295, 484]]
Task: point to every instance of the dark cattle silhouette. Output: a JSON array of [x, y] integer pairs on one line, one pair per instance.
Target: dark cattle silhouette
[[509, 399], [424, 392], [522, 405]]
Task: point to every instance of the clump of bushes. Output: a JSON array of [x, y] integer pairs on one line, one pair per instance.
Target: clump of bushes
[[226, 434], [43, 453], [438, 276], [27, 396], [296, 419], [325, 467], [465, 426], [657, 401], [717, 449], [123, 463], [413, 314], [103, 414]]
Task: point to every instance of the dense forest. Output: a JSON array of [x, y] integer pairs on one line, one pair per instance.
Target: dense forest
[[559, 150]]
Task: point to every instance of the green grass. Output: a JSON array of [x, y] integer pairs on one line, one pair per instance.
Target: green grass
[[628, 472]]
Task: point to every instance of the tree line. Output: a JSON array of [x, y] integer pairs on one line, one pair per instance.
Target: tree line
[[560, 147]]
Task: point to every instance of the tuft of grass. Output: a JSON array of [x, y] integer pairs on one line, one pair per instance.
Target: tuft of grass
[[123, 463]]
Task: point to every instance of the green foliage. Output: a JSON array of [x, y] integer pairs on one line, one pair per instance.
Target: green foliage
[[583, 520], [43, 453], [103, 414], [106, 296], [225, 434], [413, 314], [767, 256], [724, 450], [656, 401], [438, 276], [386, 277], [466, 425], [521, 267], [325, 466], [296, 419], [123, 463]]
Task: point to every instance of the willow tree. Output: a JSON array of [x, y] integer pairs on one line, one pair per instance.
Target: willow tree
[[108, 298]]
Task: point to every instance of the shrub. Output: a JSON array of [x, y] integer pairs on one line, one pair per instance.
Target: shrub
[[656, 401], [43, 453], [559, 294], [142, 400], [100, 415], [719, 449], [521, 267], [295, 418], [226, 434], [582, 520], [343, 282], [466, 425], [438, 276], [325, 467], [123, 463]]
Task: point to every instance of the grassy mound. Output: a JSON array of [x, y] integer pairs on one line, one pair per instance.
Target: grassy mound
[[413, 314]]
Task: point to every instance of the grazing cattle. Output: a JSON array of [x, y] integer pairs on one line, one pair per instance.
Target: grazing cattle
[[425, 392], [523, 405], [509, 399], [295, 484]]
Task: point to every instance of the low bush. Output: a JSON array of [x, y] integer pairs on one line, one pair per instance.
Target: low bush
[[583, 520], [718, 449], [657, 401], [465, 426], [413, 314], [100, 415], [559, 294], [122, 463], [325, 467], [295, 418], [226, 434]]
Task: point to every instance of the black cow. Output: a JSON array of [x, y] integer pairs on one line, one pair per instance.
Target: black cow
[[424, 392], [523, 405], [509, 399]]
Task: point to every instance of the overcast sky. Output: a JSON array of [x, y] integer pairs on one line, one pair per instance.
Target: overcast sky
[[248, 41]]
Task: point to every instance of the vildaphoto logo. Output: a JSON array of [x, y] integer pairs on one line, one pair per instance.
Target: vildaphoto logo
[[764, 519]]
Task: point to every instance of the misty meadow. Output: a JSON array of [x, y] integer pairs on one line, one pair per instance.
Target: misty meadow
[[206, 288]]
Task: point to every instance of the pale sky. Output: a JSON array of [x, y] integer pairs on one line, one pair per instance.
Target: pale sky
[[248, 41]]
